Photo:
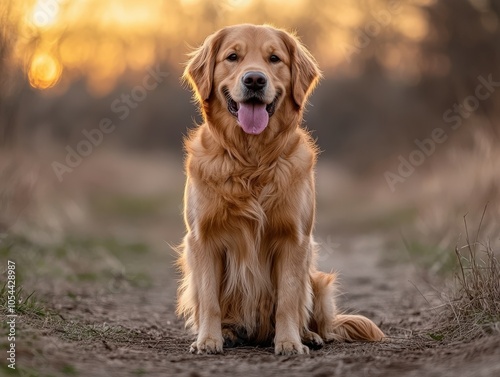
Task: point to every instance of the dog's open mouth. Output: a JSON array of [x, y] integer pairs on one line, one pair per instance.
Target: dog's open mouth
[[253, 114]]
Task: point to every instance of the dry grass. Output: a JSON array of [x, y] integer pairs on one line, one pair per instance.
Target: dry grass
[[473, 306]]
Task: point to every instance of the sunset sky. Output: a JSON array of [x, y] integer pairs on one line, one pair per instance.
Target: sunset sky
[[104, 40]]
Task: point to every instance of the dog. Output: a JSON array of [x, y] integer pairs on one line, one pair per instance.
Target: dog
[[248, 257]]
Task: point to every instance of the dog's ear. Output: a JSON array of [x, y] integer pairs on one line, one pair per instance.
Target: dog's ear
[[199, 71], [304, 69]]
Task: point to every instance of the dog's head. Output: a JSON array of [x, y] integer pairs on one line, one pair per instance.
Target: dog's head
[[250, 73]]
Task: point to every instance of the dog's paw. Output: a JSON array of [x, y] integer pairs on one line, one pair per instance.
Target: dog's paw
[[290, 348], [312, 340], [207, 345]]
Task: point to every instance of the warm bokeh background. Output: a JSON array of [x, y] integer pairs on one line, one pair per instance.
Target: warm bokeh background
[[394, 72], [92, 117]]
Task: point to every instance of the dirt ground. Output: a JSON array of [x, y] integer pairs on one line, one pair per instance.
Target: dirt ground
[[134, 331], [109, 308]]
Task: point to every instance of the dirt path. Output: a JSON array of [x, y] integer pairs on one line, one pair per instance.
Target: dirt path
[[130, 330]]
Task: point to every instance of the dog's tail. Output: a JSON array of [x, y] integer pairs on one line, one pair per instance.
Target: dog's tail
[[351, 327], [343, 327]]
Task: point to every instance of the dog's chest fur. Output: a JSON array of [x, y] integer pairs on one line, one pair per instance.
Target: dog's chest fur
[[257, 199], [248, 192]]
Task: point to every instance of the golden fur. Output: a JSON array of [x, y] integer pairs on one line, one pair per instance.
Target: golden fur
[[247, 259]]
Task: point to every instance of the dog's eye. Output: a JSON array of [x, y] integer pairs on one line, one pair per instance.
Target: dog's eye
[[274, 59], [232, 57]]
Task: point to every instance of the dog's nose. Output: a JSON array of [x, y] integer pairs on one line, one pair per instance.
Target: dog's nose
[[254, 80]]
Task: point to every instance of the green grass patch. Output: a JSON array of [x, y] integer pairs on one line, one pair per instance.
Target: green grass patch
[[69, 370], [436, 336], [395, 218], [111, 245], [22, 372], [25, 303], [432, 258], [75, 259], [130, 207]]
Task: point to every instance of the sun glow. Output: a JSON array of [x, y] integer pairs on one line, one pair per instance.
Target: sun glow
[[44, 72]]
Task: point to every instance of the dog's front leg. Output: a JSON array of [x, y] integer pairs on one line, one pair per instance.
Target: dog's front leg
[[206, 266], [291, 269]]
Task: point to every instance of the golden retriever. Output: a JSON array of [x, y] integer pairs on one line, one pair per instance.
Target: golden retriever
[[248, 258]]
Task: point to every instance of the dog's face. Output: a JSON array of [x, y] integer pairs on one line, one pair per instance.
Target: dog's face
[[251, 73]]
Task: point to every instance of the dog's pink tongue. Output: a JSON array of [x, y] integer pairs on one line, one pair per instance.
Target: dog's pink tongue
[[253, 117]]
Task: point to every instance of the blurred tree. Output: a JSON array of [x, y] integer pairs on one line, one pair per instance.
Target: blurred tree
[[8, 36], [468, 34]]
